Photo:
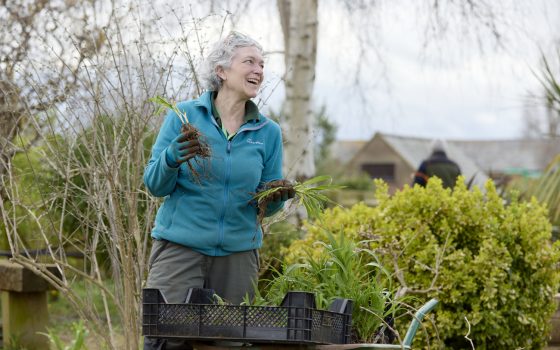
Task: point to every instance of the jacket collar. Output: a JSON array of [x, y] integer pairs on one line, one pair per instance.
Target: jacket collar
[[205, 100], [252, 111]]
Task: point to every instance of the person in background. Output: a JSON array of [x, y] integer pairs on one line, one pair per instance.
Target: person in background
[[439, 165], [206, 233]]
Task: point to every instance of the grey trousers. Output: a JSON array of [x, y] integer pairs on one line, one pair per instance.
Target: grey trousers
[[174, 268]]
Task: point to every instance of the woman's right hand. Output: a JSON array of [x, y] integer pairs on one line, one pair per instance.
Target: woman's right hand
[[181, 150], [286, 190]]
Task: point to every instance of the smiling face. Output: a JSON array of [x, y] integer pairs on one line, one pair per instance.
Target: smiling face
[[245, 74]]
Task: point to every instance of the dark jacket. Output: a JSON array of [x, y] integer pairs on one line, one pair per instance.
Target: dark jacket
[[438, 165]]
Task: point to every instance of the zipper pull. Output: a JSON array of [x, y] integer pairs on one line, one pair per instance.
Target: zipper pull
[[228, 146]]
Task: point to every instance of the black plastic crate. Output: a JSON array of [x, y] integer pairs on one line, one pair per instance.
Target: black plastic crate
[[295, 321]]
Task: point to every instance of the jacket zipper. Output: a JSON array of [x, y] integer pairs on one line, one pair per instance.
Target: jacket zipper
[[226, 182], [226, 193]]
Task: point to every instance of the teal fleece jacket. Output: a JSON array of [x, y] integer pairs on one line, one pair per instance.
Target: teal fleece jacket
[[214, 215]]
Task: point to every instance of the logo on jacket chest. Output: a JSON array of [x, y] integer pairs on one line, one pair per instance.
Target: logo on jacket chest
[[254, 142]]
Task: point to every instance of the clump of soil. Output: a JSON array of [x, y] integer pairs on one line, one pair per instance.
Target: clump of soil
[[203, 152], [264, 201]]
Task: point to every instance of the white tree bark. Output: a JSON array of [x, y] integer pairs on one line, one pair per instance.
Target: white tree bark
[[299, 24]]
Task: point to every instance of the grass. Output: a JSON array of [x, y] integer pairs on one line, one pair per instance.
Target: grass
[[77, 343], [65, 330], [65, 323]]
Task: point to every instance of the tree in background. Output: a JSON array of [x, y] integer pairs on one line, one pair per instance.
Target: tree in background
[[547, 187], [551, 87], [92, 155], [300, 22], [32, 38], [325, 135], [541, 121], [542, 111]]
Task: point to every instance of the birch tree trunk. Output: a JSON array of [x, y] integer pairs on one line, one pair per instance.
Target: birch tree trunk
[[299, 24]]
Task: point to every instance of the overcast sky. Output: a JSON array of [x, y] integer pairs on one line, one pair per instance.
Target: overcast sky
[[461, 86]]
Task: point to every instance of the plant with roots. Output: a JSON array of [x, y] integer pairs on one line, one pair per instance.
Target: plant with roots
[[309, 194], [192, 133]]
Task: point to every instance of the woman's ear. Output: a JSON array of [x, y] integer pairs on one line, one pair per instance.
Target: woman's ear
[[220, 71]]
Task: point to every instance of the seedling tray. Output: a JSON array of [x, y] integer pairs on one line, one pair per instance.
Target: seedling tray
[[295, 321]]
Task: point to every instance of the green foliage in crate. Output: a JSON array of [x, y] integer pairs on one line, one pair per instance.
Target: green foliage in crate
[[343, 269], [488, 261]]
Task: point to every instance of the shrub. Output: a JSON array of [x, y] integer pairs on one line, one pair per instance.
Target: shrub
[[277, 236], [358, 182], [546, 188], [32, 177], [487, 261]]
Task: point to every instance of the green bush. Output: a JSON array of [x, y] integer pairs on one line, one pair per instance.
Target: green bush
[[277, 237], [358, 182], [545, 188], [26, 197], [487, 261]]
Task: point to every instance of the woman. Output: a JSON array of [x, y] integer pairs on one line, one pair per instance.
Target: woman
[[206, 232]]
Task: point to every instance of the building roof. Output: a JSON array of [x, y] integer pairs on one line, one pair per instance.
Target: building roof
[[480, 157], [415, 149], [511, 156], [344, 150]]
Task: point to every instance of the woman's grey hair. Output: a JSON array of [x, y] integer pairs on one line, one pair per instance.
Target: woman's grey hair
[[221, 55]]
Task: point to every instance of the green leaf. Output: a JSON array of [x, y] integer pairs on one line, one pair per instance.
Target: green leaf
[[168, 105]]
